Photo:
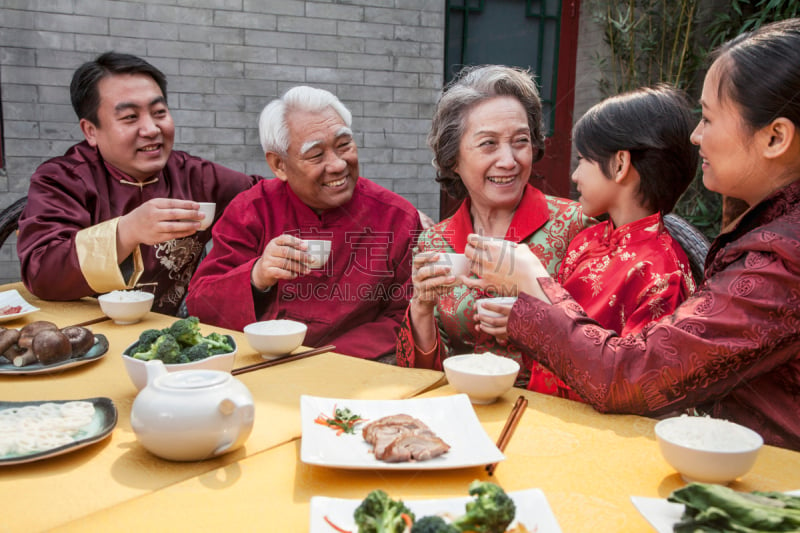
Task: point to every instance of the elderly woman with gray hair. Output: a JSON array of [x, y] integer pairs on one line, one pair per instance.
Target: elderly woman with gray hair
[[485, 135]]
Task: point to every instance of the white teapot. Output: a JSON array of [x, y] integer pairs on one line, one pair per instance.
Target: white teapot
[[191, 415]]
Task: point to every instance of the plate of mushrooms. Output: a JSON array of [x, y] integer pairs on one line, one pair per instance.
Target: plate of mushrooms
[[41, 347]]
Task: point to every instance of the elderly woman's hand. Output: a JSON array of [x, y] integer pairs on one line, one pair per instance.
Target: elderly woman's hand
[[503, 267], [429, 279], [284, 257]]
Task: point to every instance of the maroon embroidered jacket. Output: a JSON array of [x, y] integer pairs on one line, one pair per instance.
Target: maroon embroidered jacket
[[732, 350]]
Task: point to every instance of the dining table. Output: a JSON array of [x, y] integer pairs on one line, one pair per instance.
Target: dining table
[[587, 464]]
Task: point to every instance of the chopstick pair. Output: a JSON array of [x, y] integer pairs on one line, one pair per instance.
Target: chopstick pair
[[508, 430], [280, 361]]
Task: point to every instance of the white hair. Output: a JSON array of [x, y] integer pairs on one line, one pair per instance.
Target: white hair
[[273, 131]]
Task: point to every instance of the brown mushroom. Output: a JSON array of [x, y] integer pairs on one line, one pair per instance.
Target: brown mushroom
[[29, 331], [48, 347], [8, 338], [80, 338]]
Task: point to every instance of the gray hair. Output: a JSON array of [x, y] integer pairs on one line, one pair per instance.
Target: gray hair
[[273, 132], [470, 87]]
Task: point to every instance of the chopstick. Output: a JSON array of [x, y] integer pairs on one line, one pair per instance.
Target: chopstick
[[508, 430], [288, 359], [93, 321]]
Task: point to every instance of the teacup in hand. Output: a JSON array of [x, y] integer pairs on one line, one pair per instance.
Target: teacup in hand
[[504, 301], [458, 263], [319, 250], [209, 209]]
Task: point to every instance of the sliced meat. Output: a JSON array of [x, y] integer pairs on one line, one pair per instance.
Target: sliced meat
[[398, 438], [387, 424], [413, 447]]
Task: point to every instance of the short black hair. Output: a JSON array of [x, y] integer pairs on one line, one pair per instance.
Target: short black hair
[[654, 125], [83, 88]]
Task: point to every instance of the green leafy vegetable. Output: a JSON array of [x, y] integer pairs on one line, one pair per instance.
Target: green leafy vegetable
[[433, 524], [378, 513], [716, 508], [181, 342], [491, 511]]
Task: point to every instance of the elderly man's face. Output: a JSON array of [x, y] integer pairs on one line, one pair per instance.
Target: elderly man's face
[[322, 164]]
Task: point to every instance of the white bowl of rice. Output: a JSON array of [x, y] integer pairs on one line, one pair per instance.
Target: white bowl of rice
[[126, 307], [483, 377], [708, 450]]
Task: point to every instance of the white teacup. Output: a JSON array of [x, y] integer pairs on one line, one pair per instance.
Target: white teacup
[[209, 209], [319, 250], [505, 301], [458, 263]]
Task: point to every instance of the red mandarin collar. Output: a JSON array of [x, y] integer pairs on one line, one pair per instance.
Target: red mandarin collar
[[531, 214]]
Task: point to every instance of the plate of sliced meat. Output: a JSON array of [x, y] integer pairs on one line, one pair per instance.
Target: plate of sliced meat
[[414, 434]]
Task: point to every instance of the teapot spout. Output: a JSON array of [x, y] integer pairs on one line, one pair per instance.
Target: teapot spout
[[154, 368]]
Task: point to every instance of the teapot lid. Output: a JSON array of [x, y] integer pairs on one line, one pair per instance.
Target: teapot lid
[[193, 379]]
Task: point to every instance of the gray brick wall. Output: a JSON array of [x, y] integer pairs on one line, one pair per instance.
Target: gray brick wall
[[224, 60]]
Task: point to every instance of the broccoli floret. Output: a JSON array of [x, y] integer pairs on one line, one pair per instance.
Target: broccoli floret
[[380, 514], [491, 511], [186, 331], [147, 338], [217, 343], [165, 348], [433, 524], [196, 352]]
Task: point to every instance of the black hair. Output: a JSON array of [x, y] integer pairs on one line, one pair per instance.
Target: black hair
[[83, 89], [654, 125], [760, 72]]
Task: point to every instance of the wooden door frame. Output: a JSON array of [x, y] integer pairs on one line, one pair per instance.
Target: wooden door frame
[[552, 173]]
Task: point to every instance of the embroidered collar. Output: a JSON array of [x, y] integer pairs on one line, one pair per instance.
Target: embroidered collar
[[531, 214]]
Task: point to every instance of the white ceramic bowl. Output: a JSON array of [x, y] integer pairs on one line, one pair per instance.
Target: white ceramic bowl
[[707, 449], [138, 373], [483, 377], [273, 338], [126, 307]]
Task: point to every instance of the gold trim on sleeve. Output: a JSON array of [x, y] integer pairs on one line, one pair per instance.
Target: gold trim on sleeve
[[97, 255]]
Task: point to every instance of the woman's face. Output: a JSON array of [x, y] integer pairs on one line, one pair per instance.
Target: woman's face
[[496, 155], [729, 161]]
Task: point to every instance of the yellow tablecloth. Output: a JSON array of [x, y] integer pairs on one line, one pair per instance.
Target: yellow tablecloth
[[587, 464], [53, 491]]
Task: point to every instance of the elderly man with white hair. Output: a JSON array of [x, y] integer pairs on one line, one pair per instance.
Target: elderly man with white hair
[[260, 267]]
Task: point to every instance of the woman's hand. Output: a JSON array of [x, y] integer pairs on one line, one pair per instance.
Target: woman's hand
[[491, 323], [429, 279], [504, 267], [284, 257]]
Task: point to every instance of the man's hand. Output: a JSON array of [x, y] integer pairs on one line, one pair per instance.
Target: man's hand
[[284, 257], [156, 221]]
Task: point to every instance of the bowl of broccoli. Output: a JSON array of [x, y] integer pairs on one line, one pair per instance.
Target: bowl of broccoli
[[181, 346]]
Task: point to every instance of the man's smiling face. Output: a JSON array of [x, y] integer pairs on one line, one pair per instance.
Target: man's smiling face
[[135, 131]]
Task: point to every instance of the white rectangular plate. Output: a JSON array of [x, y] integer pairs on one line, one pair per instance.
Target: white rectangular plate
[[533, 511], [12, 298], [663, 514], [452, 418]]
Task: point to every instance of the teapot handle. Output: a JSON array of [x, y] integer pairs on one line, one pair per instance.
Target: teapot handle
[[240, 418]]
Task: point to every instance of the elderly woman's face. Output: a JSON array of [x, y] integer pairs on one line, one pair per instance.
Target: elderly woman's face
[[496, 155]]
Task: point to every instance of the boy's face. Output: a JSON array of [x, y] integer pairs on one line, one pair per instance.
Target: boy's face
[[135, 131], [597, 192]]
